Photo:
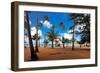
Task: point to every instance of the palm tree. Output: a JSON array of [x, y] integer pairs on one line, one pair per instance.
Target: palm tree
[[46, 17], [63, 28], [52, 35], [73, 17], [83, 20], [27, 25], [39, 24], [36, 42], [86, 29], [34, 37], [73, 28], [67, 41], [39, 40], [77, 18], [62, 25], [79, 42], [63, 41], [46, 42]]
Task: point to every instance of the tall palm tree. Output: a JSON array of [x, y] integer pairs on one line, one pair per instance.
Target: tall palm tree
[[73, 28], [36, 42], [86, 29], [83, 20], [52, 35], [77, 19], [38, 24], [63, 28], [27, 25]]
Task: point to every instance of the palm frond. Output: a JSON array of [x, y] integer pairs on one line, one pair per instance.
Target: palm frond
[[46, 18]]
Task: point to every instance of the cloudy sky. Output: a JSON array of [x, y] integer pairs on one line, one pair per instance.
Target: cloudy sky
[[54, 19]]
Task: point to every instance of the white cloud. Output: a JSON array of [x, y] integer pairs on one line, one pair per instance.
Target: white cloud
[[33, 31], [41, 21], [60, 37], [70, 31], [47, 24], [79, 27], [68, 36]]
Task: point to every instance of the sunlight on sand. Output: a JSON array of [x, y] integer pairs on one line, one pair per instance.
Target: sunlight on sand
[[59, 53]]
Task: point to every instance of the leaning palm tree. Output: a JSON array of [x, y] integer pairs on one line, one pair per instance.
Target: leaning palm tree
[[36, 42], [39, 24], [27, 25]]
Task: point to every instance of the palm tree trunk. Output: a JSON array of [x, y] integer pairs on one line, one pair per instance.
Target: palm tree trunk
[[33, 54], [36, 46], [39, 43], [73, 39], [52, 44], [63, 45]]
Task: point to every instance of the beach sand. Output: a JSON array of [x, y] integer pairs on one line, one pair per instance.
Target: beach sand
[[59, 53]]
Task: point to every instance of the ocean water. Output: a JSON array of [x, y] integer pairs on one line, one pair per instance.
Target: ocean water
[[69, 44], [42, 44]]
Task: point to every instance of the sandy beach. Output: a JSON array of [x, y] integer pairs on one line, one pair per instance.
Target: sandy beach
[[59, 53]]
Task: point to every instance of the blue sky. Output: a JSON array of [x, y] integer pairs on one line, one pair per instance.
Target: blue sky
[[54, 19]]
